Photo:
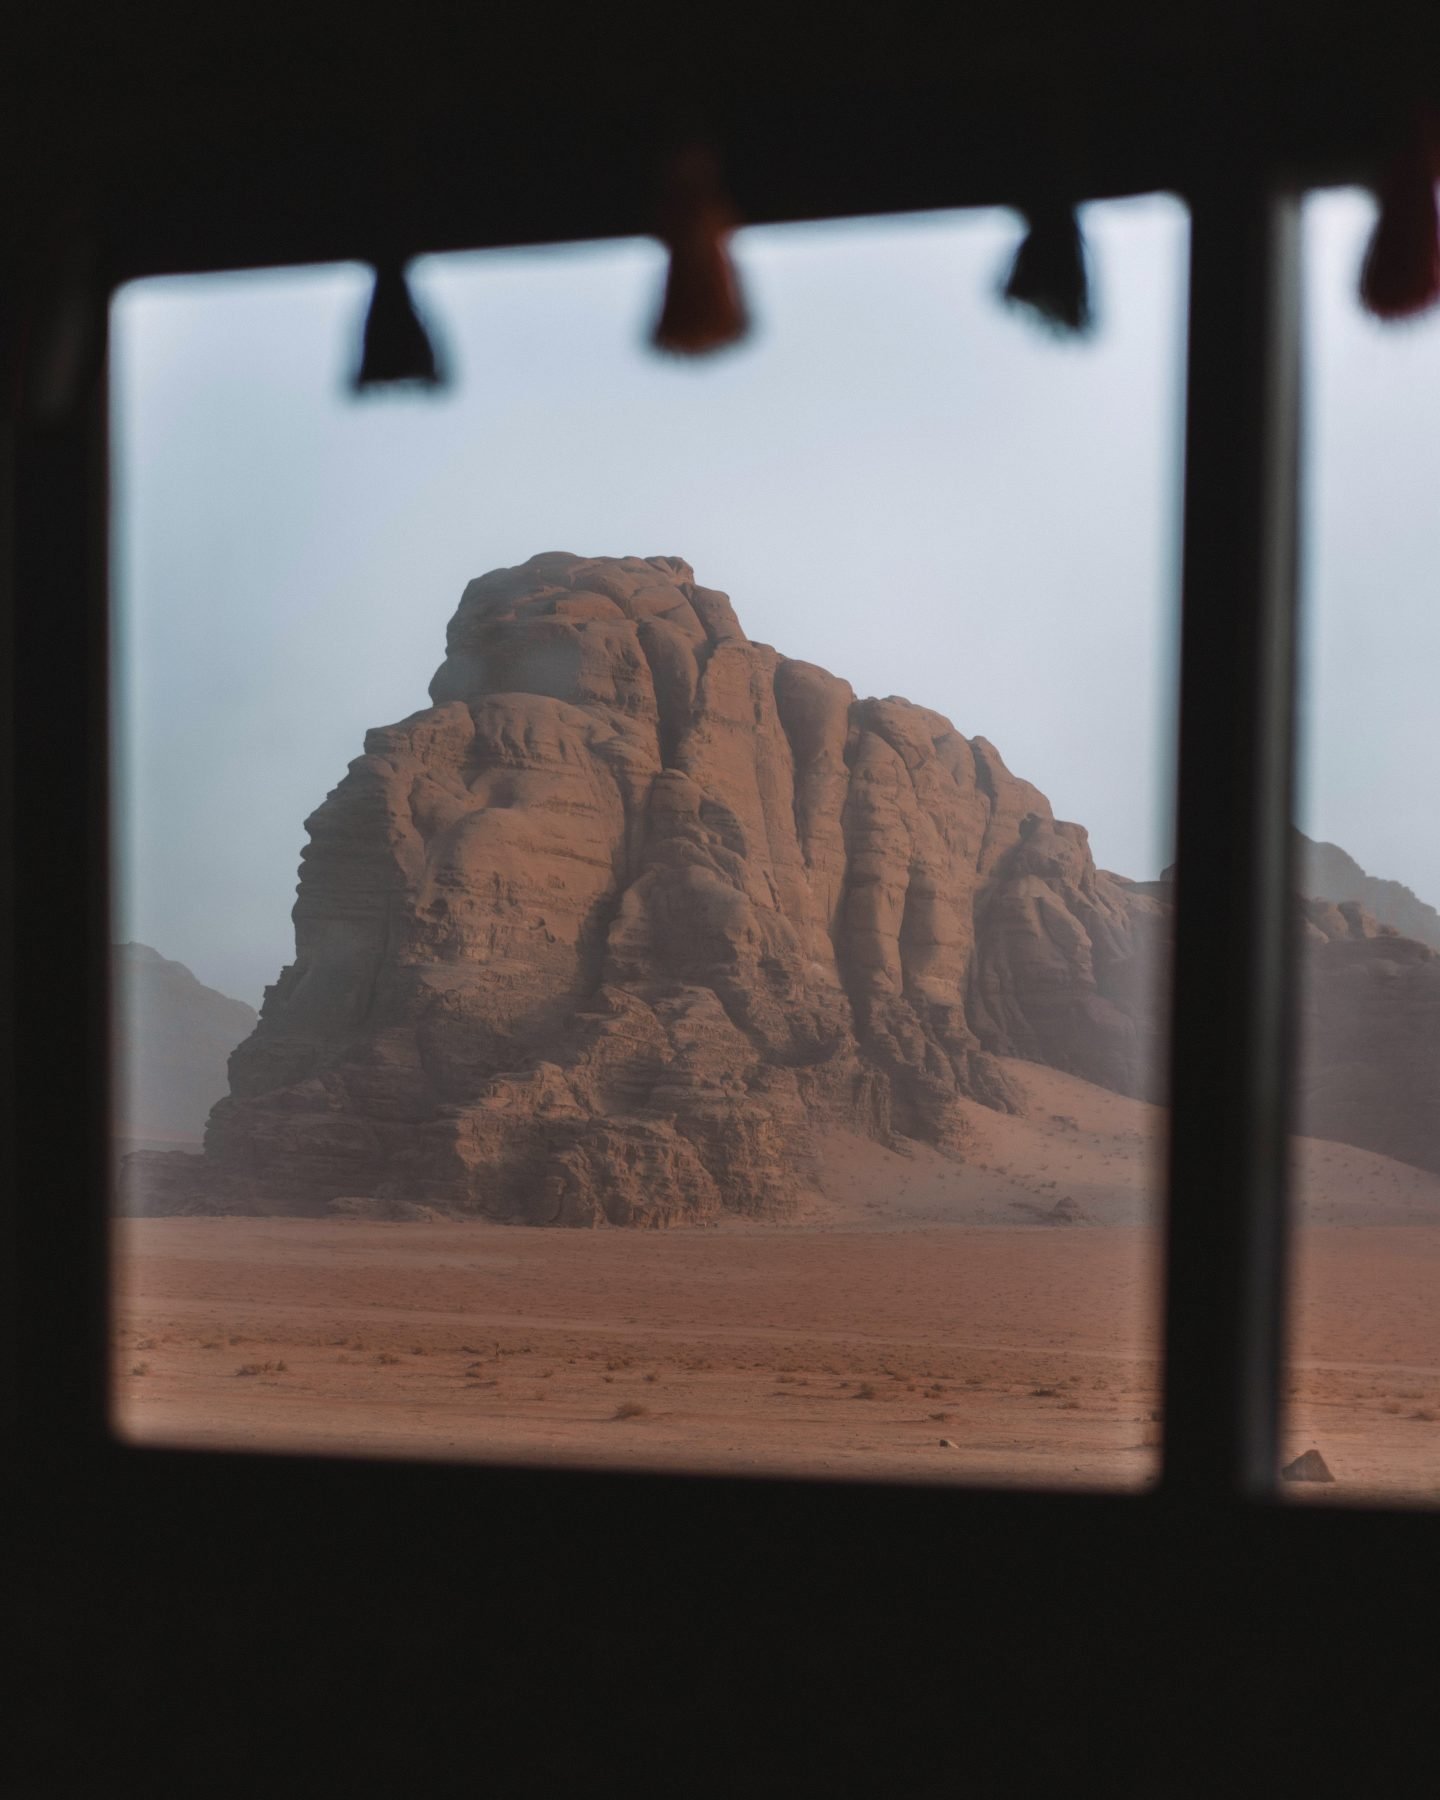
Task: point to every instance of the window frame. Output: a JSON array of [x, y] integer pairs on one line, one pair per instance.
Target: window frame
[[1232, 1012]]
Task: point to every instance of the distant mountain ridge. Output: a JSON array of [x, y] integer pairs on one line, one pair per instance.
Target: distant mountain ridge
[[1330, 873], [174, 1038]]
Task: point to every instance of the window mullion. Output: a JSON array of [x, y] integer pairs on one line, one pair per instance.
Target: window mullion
[[1233, 982]]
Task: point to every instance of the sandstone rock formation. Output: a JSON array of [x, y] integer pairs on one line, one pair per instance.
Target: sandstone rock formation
[[635, 908], [1369, 1038], [174, 1036]]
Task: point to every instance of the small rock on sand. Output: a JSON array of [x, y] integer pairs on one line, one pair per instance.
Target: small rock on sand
[[1309, 1467]]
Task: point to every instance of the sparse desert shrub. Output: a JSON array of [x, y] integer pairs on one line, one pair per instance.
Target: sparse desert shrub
[[630, 1409], [1070, 1406], [213, 1344], [140, 1368], [865, 1391], [236, 1340], [942, 1418], [387, 1359], [265, 1368], [1424, 1413], [149, 1344], [1043, 1393], [652, 1376]]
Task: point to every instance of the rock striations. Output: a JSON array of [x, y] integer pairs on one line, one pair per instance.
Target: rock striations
[[636, 908]]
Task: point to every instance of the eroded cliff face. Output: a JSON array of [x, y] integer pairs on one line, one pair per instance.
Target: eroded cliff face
[[636, 907]]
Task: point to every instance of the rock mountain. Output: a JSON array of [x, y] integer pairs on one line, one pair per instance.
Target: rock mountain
[[635, 908]]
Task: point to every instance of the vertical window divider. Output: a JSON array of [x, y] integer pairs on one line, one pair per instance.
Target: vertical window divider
[[1233, 972]]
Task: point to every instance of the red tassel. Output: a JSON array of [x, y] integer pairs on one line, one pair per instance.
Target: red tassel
[[1401, 273], [703, 309]]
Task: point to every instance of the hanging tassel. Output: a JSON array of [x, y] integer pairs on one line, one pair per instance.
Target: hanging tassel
[[703, 309], [1401, 273], [396, 349], [1048, 274]]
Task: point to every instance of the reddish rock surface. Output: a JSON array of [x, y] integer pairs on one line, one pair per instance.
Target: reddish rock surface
[[636, 908]]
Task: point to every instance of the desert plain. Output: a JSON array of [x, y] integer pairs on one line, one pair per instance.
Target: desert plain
[[995, 1320]]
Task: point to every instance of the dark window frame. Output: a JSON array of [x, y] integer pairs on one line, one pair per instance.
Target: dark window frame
[[1230, 1048], [1229, 1021], [190, 1591]]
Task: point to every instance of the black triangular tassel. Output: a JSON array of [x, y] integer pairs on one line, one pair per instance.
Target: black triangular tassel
[[1049, 273], [396, 348]]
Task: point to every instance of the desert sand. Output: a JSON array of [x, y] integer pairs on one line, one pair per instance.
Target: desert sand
[[931, 1320]]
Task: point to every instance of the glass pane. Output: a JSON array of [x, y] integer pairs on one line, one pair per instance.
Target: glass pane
[[1365, 1368], [626, 919]]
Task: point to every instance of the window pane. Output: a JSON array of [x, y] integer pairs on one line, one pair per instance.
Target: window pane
[[1365, 1369], [626, 919]]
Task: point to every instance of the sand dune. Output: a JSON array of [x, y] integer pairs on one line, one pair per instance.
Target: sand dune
[[1083, 1155]]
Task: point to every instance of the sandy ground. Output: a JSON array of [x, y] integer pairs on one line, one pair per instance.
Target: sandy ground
[[992, 1320]]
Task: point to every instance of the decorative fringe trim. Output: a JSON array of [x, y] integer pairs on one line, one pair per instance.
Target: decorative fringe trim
[[1400, 276], [396, 347], [1049, 272], [703, 309]]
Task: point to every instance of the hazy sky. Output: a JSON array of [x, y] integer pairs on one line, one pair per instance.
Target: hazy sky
[[895, 478]]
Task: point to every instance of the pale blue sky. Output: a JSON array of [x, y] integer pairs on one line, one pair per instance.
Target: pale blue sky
[[1370, 769], [895, 478]]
